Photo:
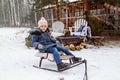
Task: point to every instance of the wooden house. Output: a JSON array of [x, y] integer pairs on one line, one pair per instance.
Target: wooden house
[[68, 13], [72, 11]]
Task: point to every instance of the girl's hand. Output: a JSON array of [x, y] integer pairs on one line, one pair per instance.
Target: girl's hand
[[57, 42], [40, 46]]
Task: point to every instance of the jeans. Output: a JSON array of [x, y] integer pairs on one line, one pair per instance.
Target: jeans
[[55, 51]]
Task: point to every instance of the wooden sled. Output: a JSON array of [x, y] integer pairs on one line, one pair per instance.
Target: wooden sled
[[49, 56]]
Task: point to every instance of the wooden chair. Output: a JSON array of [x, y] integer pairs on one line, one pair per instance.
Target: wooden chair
[[58, 26], [79, 23], [83, 24], [86, 32]]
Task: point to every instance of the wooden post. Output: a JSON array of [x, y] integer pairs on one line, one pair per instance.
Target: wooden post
[[57, 10], [66, 15], [86, 6], [52, 18]]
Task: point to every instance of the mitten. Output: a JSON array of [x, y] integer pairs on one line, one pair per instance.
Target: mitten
[[57, 42], [40, 46]]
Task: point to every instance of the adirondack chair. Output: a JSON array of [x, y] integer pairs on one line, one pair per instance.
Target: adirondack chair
[[57, 28], [81, 24], [85, 31], [81, 29]]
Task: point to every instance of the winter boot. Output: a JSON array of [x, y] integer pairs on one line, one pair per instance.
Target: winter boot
[[76, 59], [61, 66]]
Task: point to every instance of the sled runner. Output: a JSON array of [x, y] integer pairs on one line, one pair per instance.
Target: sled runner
[[49, 56]]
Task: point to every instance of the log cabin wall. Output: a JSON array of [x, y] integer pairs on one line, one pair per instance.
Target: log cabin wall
[[68, 13]]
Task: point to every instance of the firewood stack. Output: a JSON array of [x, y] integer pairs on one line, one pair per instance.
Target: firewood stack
[[75, 47]]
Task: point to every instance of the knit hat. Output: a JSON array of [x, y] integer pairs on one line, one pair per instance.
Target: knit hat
[[42, 21]]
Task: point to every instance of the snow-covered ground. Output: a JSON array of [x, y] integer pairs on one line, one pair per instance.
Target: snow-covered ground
[[16, 60]]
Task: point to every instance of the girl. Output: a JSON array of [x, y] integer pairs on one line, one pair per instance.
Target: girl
[[42, 40]]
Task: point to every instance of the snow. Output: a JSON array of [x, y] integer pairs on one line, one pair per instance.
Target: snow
[[16, 60]]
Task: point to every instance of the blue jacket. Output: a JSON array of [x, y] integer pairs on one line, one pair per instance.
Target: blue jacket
[[44, 39]]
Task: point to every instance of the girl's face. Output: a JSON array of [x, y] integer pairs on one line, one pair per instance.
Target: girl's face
[[43, 28]]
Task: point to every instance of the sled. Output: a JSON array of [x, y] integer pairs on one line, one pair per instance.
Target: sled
[[49, 56]]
